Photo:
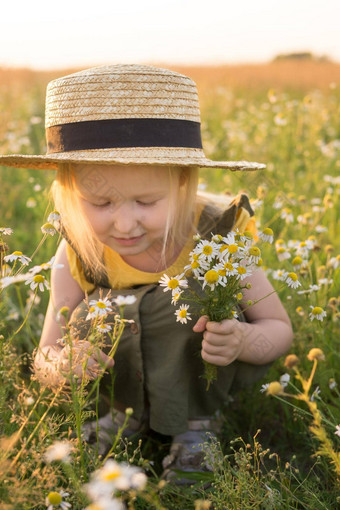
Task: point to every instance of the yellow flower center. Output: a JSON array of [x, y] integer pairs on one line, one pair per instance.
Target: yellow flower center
[[38, 278], [232, 248], [297, 261], [223, 248], [317, 310], [183, 313], [281, 250], [211, 276], [255, 251], [195, 265], [222, 272], [248, 234], [293, 276], [207, 250], [100, 304], [17, 253], [268, 231], [195, 256], [228, 266], [173, 283], [241, 270], [54, 498], [111, 475], [239, 296]]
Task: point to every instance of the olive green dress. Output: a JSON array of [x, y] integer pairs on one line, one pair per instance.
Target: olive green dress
[[158, 364]]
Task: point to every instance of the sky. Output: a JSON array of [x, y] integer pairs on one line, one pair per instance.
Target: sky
[[72, 33]]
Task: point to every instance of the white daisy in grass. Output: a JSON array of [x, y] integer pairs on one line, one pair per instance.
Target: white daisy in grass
[[317, 313], [208, 250], [10, 280], [45, 266], [6, 231], [58, 451], [312, 288], [292, 280], [337, 430], [49, 229], [99, 308], [55, 500], [267, 235], [282, 253], [334, 262], [234, 314], [279, 274], [304, 248], [254, 254], [17, 255], [106, 503], [182, 314], [287, 215], [125, 300], [37, 281], [174, 284]]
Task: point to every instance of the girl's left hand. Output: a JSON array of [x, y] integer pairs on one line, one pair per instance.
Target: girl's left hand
[[222, 341]]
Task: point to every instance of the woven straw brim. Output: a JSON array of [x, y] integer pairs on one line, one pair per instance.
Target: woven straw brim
[[136, 156]]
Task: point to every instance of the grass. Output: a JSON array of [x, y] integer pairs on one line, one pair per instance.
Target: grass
[[287, 115]]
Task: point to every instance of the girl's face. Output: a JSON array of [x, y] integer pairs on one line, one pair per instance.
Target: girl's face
[[127, 206]]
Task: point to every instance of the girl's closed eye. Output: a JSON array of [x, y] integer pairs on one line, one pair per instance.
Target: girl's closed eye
[[145, 203]]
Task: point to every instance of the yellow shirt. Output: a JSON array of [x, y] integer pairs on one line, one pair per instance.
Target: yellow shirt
[[123, 276]]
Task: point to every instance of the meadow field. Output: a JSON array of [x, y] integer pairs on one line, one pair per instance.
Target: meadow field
[[280, 443]]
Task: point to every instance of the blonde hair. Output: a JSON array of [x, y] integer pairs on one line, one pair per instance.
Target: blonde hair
[[78, 232]]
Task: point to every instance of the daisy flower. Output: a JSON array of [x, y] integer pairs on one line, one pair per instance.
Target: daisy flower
[[45, 266], [267, 235], [334, 262], [125, 300], [106, 503], [226, 270], [243, 272], [292, 280], [279, 274], [99, 308], [104, 328], [176, 297], [254, 254], [9, 280], [17, 255], [337, 430], [287, 215], [317, 313], [6, 231], [37, 281], [55, 500], [264, 387], [49, 229], [212, 278], [208, 249], [312, 288], [182, 314], [59, 450], [284, 380], [282, 253], [174, 284]]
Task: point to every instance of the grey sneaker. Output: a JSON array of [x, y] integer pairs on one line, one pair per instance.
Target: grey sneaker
[[105, 430], [186, 454]]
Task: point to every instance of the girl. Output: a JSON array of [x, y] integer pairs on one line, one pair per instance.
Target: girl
[[125, 141]]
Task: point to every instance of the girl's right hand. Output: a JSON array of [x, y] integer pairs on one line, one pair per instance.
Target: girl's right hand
[[86, 361]]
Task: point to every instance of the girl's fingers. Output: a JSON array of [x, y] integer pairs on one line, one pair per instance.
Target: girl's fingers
[[200, 325]]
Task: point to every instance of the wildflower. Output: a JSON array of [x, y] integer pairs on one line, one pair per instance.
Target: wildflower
[[332, 383], [316, 354], [291, 361], [9, 280], [315, 394], [325, 281], [125, 300], [287, 215], [297, 261], [300, 311], [264, 387], [254, 254], [37, 281], [337, 430], [284, 380], [312, 288], [208, 249], [49, 229], [292, 280], [59, 450], [31, 203], [275, 388], [17, 255], [106, 503], [173, 284], [279, 274], [234, 314], [6, 231], [243, 272], [282, 253], [317, 313], [196, 237], [267, 235], [55, 499], [212, 278], [99, 308], [320, 229], [45, 266], [176, 297], [182, 314], [334, 262], [104, 328]]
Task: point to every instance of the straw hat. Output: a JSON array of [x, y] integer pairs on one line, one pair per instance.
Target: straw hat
[[123, 114]]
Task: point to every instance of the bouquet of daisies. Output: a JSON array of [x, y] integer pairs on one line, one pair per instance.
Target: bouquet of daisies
[[220, 266]]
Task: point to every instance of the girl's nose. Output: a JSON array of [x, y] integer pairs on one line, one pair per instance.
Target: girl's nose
[[124, 218]]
